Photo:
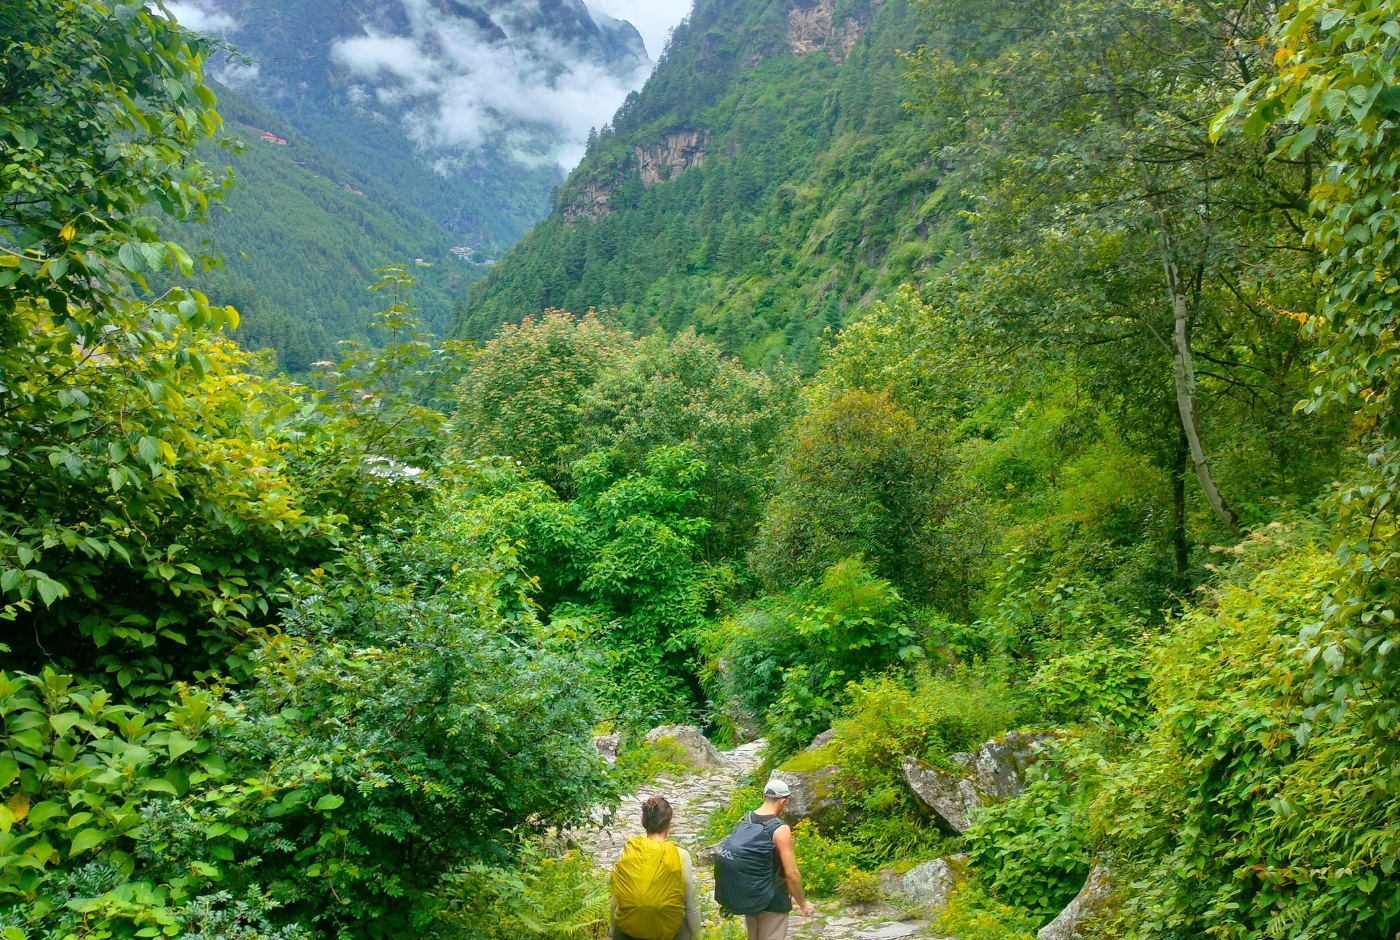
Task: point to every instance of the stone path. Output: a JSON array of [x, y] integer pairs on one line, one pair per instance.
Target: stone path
[[694, 797]]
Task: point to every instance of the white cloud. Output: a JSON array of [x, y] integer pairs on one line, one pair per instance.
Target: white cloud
[[201, 16], [654, 19], [456, 89]]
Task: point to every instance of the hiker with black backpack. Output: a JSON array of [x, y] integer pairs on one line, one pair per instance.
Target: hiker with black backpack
[[653, 883], [755, 871]]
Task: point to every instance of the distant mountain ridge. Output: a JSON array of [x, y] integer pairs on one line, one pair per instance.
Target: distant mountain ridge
[[763, 187], [380, 84]]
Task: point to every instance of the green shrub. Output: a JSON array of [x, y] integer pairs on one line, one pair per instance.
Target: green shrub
[[893, 717], [542, 896], [1100, 683], [825, 863], [860, 887], [1033, 850], [643, 762], [1254, 808], [789, 658], [973, 914]]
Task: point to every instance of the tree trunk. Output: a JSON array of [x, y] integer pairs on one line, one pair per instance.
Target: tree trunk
[[1184, 368], [1179, 543]]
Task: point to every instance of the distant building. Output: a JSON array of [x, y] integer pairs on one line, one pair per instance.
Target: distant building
[[272, 138], [355, 191]]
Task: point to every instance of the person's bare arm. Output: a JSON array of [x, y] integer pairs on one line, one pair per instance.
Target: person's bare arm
[[782, 840]]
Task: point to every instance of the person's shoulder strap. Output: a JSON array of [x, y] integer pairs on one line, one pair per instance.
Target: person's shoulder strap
[[774, 824]]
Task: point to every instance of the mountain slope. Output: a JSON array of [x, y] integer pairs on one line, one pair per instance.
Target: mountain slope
[[300, 235], [433, 98], [761, 187]]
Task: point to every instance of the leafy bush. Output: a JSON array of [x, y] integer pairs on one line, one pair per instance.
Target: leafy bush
[[643, 762], [542, 896], [789, 658], [1100, 683], [860, 887], [825, 863], [1033, 850], [973, 914], [1255, 808]]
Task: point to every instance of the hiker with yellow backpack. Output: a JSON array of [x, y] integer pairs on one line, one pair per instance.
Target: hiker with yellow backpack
[[653, 883]]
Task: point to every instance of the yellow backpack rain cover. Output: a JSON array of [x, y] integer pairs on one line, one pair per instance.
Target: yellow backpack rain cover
[[649, 889]]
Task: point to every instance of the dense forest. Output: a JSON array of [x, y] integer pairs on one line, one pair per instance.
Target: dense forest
[[957, 369]]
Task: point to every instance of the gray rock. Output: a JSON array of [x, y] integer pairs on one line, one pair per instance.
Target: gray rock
[[1001, 765], [814, 796], [926, 885], [949, 799], [1088, 901], [888, 931], [699, 751], [607, 746], [822, 740]]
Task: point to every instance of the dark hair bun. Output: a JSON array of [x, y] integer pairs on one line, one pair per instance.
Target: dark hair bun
[[656, 815]]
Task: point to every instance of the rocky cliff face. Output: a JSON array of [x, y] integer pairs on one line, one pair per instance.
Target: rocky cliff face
[[812, 26], [678, 152]]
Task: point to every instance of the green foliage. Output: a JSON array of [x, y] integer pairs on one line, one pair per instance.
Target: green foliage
[[973, 914], [1100, 683], [643, 762], [1033, 851], [552, 897], [552, 391], [408, 719], [1333, 84], [860, 887], [103, 104], [860, 478], [789, 658], [1250, 811], [522, 398]]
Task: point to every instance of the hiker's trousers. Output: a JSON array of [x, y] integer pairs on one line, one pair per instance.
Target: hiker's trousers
[[767, 926]]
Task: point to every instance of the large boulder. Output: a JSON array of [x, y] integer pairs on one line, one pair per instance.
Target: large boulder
[[699, 752], [1001, 765], [1090, 899], [927, 885], [995, 771], [948, 798], [815, 795], [607, 746]]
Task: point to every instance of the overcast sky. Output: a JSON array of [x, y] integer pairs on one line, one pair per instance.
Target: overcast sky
[[653, 18]]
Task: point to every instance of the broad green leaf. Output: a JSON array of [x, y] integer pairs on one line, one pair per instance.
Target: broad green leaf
[[41, 813], [178, 744], [87, 839], [329, 802]]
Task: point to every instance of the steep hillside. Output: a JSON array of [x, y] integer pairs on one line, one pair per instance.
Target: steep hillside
[[447, 103], [299, 237], [762, 187]]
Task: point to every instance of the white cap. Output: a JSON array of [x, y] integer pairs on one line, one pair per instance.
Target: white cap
[[777, 789]]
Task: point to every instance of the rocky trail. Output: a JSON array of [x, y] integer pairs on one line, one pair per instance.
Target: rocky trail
[[694, 797]]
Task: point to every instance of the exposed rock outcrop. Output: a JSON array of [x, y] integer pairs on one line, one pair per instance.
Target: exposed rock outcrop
[[678, 152], [607, 746], [814, 795], [811, 28], [995, 771], [821, 740], [926, 885], [1088, 901], [701, 754], [1001, 765], [593, 202], [949, 799]]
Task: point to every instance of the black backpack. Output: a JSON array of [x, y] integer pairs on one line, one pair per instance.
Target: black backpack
[[746, 872]]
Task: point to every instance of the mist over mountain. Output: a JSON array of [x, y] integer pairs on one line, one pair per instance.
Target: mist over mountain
[[472, 112]]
